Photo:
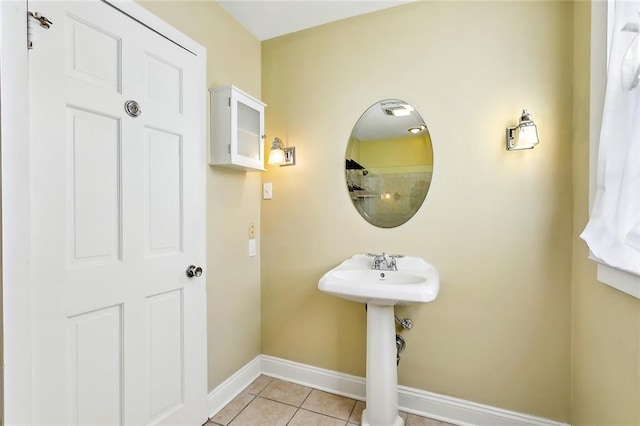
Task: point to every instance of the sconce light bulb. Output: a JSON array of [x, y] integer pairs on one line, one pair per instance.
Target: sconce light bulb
[[276, 156], [416, 130]]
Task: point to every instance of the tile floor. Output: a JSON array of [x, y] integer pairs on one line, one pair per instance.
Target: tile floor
[[273, 402]]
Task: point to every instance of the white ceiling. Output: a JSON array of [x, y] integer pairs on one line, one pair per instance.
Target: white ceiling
[[267, 19]]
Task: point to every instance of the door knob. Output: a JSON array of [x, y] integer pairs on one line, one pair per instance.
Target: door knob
[[193, 271], [132, 108]]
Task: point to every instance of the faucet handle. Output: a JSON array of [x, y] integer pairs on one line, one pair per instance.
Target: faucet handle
[[378, 259], [393, 265]]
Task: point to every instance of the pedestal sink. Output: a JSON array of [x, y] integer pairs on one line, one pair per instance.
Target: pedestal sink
[[414, 281]]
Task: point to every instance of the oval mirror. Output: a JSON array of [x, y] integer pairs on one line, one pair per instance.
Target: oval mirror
[[389, 163]]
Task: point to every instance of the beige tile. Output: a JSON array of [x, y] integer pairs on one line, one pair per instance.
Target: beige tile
[[232, 409], [307, 418], [286, 392], [404, 416], [329, 404], [263, 412], [258, 385], [413, 420], [356, 415]]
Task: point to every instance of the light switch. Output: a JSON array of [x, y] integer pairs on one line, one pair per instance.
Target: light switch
[[252, 230], [267, 191], [252, 247]]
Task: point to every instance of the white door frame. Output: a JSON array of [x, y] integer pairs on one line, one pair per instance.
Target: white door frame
[[14, 146]]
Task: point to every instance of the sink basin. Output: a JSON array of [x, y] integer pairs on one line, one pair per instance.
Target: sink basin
[[415, 281], [381, 277]]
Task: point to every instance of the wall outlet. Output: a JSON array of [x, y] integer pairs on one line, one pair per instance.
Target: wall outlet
[[252, 230], [267, 191]]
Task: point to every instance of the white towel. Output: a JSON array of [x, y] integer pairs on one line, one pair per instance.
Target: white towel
[[613, 231]]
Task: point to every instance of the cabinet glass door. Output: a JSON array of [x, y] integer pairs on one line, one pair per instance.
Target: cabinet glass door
[[249, 135]]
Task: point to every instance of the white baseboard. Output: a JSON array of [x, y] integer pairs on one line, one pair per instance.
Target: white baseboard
[[411, 400], [230, 388], [314, 377], [462, 412]]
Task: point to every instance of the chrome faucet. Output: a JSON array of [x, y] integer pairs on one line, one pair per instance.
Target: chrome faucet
[[381, 263]]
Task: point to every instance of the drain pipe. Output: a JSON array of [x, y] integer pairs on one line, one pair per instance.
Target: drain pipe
[[406, 324], [400, 345]]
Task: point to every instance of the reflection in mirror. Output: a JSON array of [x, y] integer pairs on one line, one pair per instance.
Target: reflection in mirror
[[389, 163]]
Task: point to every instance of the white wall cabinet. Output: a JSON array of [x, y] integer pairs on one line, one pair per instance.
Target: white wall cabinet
[[237, 130]]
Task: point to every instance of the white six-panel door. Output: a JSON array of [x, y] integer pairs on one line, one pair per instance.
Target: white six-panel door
[[117, 215]]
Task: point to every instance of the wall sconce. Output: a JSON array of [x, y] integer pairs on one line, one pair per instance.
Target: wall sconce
[[524, 135], [279, 154]]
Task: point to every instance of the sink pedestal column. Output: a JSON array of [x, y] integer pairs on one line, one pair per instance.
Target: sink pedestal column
[[382, 373]]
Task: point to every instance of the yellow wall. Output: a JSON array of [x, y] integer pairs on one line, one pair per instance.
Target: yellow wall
[[409, 151], [233, 280], [606, 323], [497, 225]]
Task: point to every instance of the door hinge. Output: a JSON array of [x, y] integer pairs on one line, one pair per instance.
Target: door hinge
[[229, 147], [44, 23]]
